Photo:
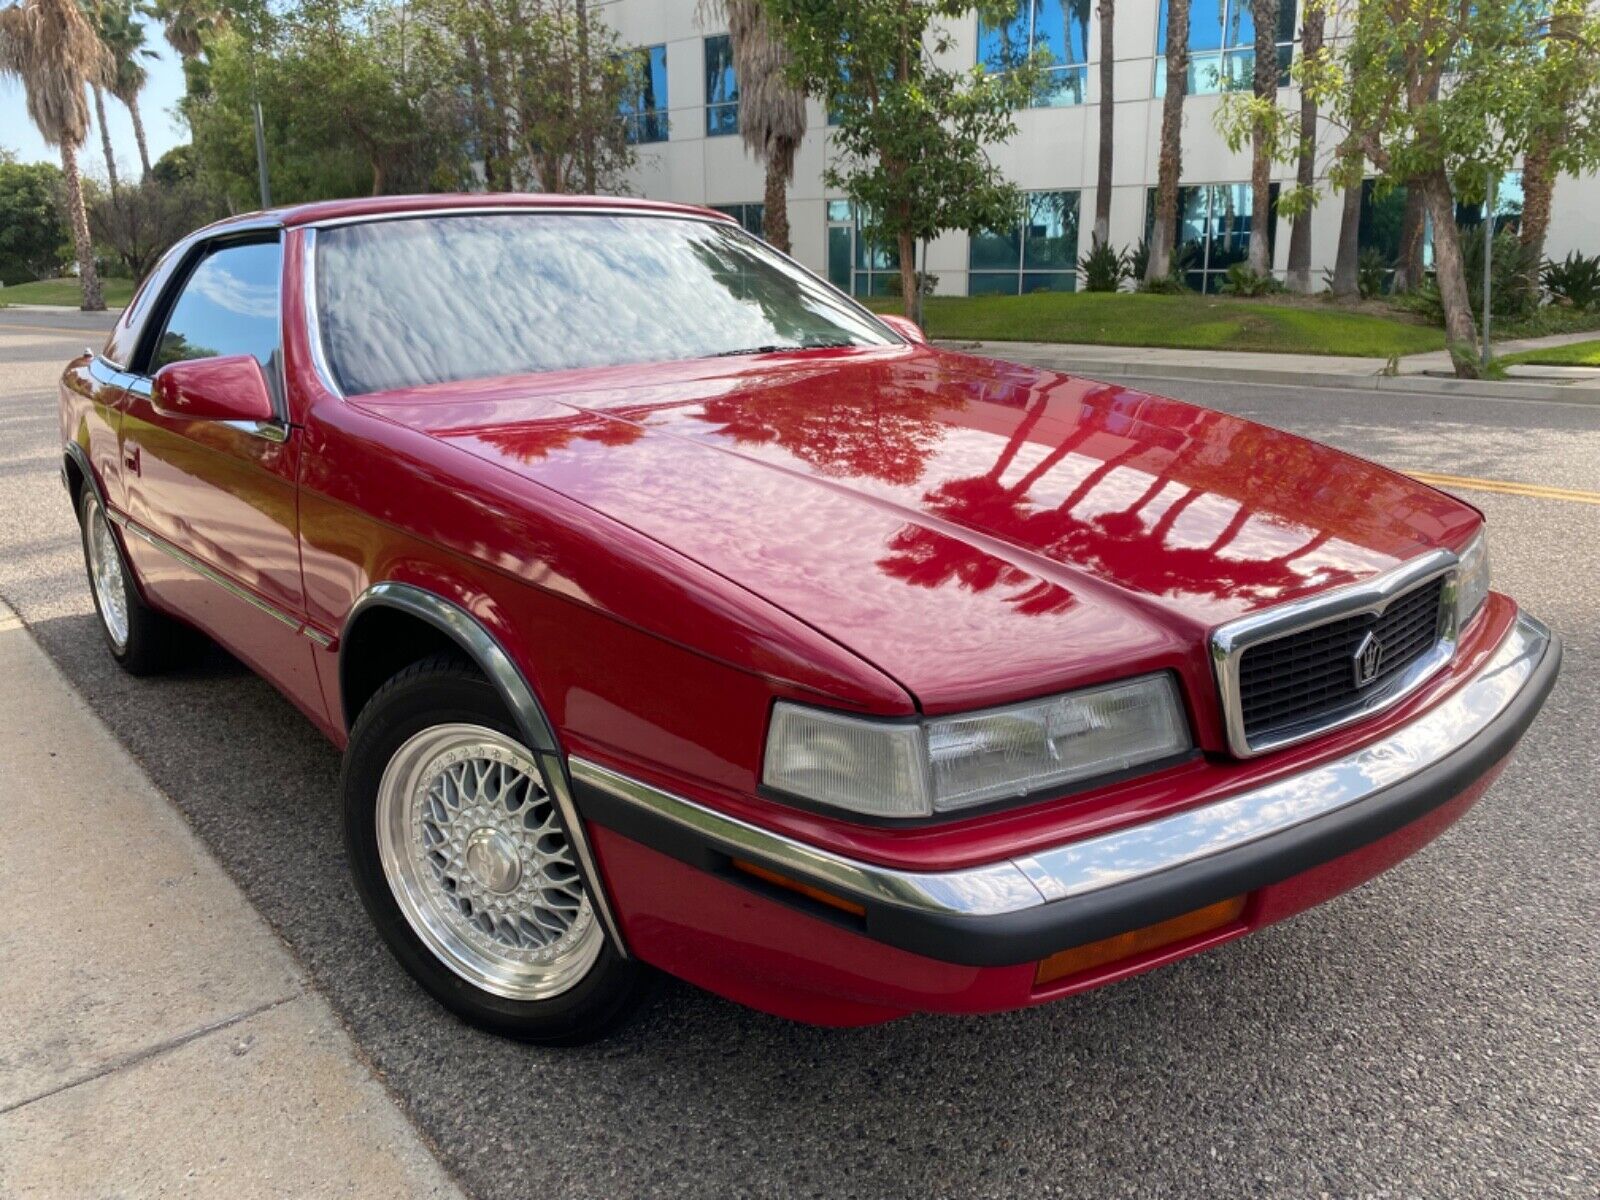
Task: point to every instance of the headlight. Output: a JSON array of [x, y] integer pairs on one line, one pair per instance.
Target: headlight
[[1472, 579], [886, 768]]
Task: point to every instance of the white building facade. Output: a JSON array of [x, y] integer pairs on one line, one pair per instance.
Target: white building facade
[[686, 126]]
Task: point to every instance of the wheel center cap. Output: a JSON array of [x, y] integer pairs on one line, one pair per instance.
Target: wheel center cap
[[493, 861]]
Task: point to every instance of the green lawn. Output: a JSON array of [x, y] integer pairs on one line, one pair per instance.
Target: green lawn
[[1181, 322], [64, 291], [1575, 354]]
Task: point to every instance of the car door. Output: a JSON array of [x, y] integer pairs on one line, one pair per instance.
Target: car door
[[212, 504]]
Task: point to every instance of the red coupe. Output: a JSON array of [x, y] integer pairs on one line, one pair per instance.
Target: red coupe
[[675, 611]]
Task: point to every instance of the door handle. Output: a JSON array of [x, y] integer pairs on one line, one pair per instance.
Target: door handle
[[130, 458]]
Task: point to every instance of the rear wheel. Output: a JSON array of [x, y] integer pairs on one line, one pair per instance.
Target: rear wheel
[[142, 640], [461, 859]]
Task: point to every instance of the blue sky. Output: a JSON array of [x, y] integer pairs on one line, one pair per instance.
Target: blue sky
[[162, 129]]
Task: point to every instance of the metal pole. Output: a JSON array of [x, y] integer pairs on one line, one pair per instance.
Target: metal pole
[[1488, 263], [261, 159]]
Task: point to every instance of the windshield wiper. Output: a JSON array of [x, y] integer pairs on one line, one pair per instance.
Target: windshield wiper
[[753, 350]]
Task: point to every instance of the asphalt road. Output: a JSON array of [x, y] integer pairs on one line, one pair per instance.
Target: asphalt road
[[1433, 1034]]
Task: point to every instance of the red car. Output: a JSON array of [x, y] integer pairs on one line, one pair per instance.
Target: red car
[[673, 610]]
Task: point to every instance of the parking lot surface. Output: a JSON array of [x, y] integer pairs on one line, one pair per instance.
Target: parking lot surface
[[1432, 1034]]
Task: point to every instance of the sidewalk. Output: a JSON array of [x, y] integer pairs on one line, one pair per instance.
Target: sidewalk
[[1427, 373], [155, 1036]]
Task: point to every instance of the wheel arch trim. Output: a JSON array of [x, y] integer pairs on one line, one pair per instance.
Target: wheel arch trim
[[79, 458], [490, 657]]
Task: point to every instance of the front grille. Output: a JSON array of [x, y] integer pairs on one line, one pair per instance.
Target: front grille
[[1309, 677]]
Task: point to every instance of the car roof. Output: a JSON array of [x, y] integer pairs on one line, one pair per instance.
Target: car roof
[[320, 211]]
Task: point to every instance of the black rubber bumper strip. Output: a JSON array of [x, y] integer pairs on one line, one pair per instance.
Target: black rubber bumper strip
[[1034, 933]]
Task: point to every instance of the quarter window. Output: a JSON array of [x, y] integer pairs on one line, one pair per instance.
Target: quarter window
[[1057, 27], [1222, 36], [1037, 254], [644, 105], [228, 305], [722, 88]]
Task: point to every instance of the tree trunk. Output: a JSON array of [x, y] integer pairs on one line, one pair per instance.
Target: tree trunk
[[478, 88], [775, 204], [1266, 88], [586, 148], [138, 136], [1171, 160], [1461, 334], [105, 135], [82, 244], [1538, 189], [1108, 114], [1346, 281], [908, 272], [1408, 267], [1311, 34]]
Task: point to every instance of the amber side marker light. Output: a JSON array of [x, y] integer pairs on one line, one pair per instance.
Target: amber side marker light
[[1138, 941], [794, 885]]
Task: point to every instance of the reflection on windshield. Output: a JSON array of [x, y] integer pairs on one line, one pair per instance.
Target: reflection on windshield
[[442, 299]]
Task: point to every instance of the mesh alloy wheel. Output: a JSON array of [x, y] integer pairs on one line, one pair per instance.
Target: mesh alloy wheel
[[105, 572], [479, 866]]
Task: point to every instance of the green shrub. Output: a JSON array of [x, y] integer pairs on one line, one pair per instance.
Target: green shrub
[[1513, 290], [1104, 268], [1575, 280], [1173, 283], [1139, 261], [1372, 273], [1242, 281]]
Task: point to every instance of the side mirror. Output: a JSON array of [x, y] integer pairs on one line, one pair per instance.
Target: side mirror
[[905, 327], [231, 388]]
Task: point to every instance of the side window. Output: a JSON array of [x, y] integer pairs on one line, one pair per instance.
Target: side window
[[228, 305]]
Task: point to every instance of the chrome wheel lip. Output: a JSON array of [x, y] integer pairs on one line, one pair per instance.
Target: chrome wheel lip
[[404, 826], [105, 573]]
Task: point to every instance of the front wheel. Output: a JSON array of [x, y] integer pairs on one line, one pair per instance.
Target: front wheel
[[461, 860]]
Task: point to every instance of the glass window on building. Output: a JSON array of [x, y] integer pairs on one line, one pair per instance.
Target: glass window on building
[[722, 88], [1215, 226], [1222, 56], [1060, 28], [1037, 254], [644, 104], [748, 215], [1507, 214], [855, 263]]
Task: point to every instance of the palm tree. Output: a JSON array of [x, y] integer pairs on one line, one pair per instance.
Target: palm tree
[[122, 32], [1265, 13], [189, 24], [1312, 31], [772, 111], [1108, 73], [53, 50], [1170, 164]]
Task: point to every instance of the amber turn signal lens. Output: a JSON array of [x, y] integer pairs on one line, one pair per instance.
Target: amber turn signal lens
[[1138, 941], [794, 885]]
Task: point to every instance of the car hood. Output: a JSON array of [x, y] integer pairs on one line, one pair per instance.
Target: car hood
[[980, 531]]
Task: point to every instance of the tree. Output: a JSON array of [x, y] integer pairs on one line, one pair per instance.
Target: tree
[[53, 50], [140, 221], [1313, 27], [1265, 15], [546, 81], [32, 245], [1346, 284], [1170, 164], [1563, 115], [122, 33], [190, 25], [772, 110], [910, 134], [1108, 123]]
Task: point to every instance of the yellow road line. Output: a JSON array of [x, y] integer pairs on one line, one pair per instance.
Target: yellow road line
[[1537, 491]]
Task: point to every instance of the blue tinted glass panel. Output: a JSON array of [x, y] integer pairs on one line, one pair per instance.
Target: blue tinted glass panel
[[1206, 19], [839, 256], [1050, 236], [989, 251], [645, 105], [1062, 28], [1062, 87], [722, 88], [228, 305], [1002, 47], [981, 283], [1051, 281]]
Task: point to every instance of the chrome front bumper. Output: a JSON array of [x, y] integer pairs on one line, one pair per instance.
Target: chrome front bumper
[[1026, 907]]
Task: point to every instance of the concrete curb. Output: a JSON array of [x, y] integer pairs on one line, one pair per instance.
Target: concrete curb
[[1487, 389]]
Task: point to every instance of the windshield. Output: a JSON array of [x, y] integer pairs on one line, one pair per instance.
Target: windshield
[[439, 299]]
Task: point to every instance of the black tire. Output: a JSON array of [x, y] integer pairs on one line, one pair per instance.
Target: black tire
[[153, 641], [442, 690]]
